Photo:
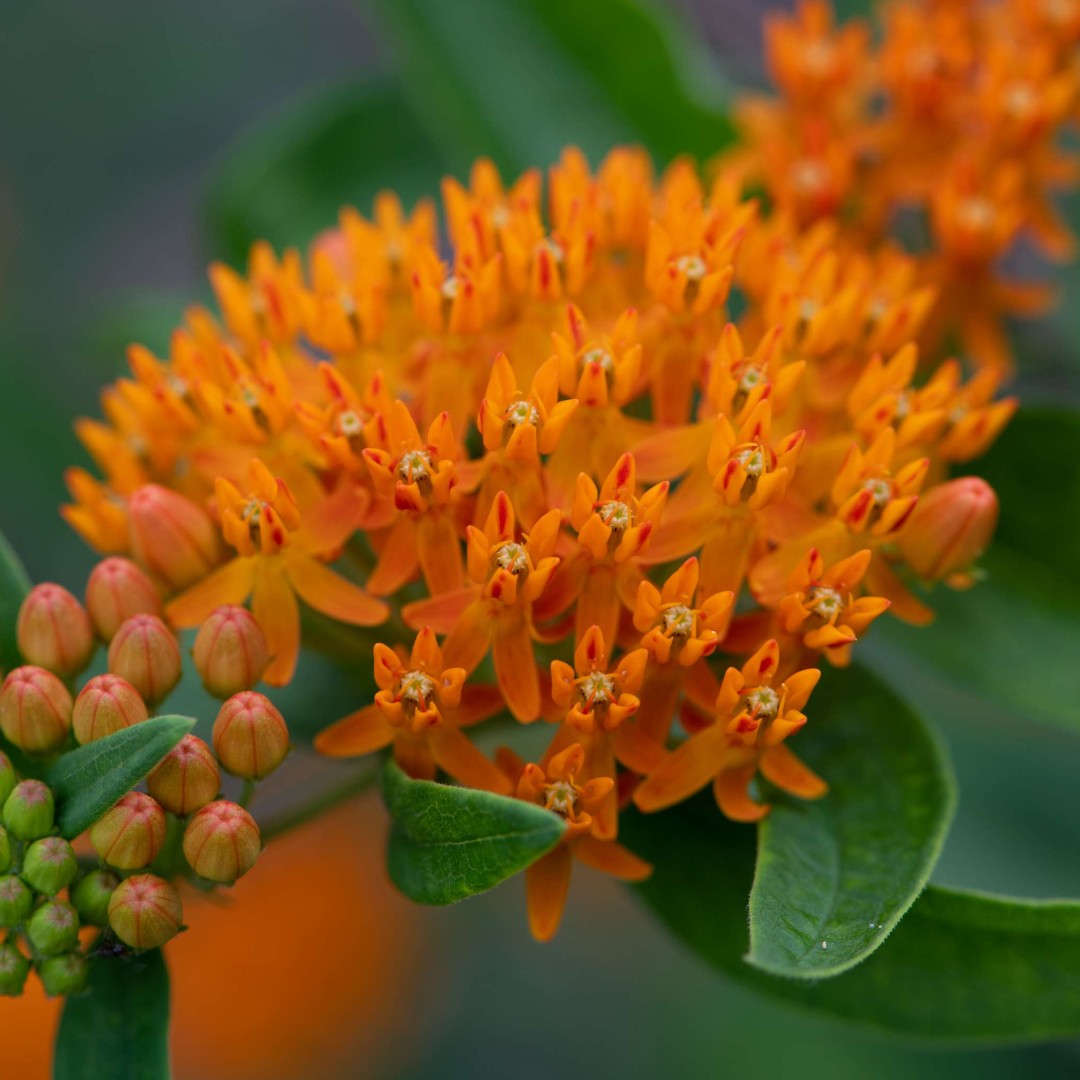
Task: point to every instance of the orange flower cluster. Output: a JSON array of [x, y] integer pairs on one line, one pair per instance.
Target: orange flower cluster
[[608, 429], [947, 131]]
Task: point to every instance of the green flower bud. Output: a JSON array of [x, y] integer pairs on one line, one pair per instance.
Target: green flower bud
[[5, 850], [145, 911], [53, 928], [28, 810], [130, 835], [14, 967], [16, 900], [65, 974], [92, 895], [49, 865], [7, 777]]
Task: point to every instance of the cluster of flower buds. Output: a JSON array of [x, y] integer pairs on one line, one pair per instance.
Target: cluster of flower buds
[[691, 442], [179, 822]]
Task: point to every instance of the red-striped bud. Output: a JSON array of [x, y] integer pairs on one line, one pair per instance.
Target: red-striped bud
[[54, 631], [949, 529], [172, 536], [116, 590], [187, 778], [145, 653], [230, 651], [145, 911], [106, 704], [222, 842], [130, 835], [250, 737], [35, 710]]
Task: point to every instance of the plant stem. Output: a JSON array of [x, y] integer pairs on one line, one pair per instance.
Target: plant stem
[[247, 793]]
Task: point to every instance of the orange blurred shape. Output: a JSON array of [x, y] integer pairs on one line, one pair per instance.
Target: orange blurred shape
[[301, 969]]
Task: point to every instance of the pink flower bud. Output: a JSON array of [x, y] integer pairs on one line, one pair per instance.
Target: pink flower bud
[[250, 737], [949, 529], [116, 590], [54, 630], [106, 704], [145, 911], [145, 653], [35, 710], [172, 536], [230, 651], [187, 778], [222, 842], [130, 835]]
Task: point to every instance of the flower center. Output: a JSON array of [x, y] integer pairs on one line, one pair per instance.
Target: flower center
[[616, 515], [513, 557], [678, 620], [826, 602], [763, 702], [521, 412], [561, 797], [349, 424], [414, 465], [880, 491], [598, 356], [693, 266], [596, 688], [752, 460], [416, 687]]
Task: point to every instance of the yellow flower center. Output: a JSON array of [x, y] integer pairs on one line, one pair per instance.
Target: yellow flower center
[[763, 702], [678, 620], [560, 797], [521, 412], [415, 465], [513, 557], [417, 688], [616, 515], [596, 689]]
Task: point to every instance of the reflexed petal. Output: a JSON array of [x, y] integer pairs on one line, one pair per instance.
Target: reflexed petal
[[547, 883], [358, 733], [325, 591]]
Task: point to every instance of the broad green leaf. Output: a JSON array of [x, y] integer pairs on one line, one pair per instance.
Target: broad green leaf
[[87, 781], [448, 843], [287, 182], [960, 967], [120, 1027], [1010, 643], [835, 875], [14, 585], [537, 80]]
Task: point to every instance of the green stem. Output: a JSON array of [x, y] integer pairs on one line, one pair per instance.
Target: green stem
[[247, 793], [326, 800]]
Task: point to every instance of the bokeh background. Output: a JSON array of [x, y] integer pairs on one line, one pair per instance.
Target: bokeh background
[[139, 141]]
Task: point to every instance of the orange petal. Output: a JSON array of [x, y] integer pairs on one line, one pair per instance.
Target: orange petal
[[441, 613], [610, 858], [515, 669], [274, 606], [686, 770], [547, 883], [398, 558], [325, 591], [231, 584], [468, 641], [458, 757], [782, 768], [440, 553], [732, 791], [358, 733]]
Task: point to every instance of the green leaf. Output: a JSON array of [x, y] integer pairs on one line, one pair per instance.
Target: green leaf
[[14, 585], [1009, 644], [120, 1027], [536, 79], [288, 180], [960, 967], [87, 781], [835, 875], [448, 843]]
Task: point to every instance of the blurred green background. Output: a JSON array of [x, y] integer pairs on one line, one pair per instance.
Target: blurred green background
[[138, 142]]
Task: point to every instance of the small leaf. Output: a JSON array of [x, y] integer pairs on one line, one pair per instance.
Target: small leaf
[[287, 182], [1009, 644], [448, 843], [14, 585], [960, 967], [835, 875], [120, 1027], [87, 781]]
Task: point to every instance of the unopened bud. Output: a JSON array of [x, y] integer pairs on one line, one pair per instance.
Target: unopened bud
[[53, 928], [186, 778], [222, 842], [107, 703], [145, 911], [49, 865], [145, 653], [130, 835], [64, 975], [16, 900], [28, 810], [116, 590], [92, 895], [6, 854], [54, 630], [230, 651], [35, 710], [949, 529], [250, 737], [14, 968], [171, 536], [7, 777]]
